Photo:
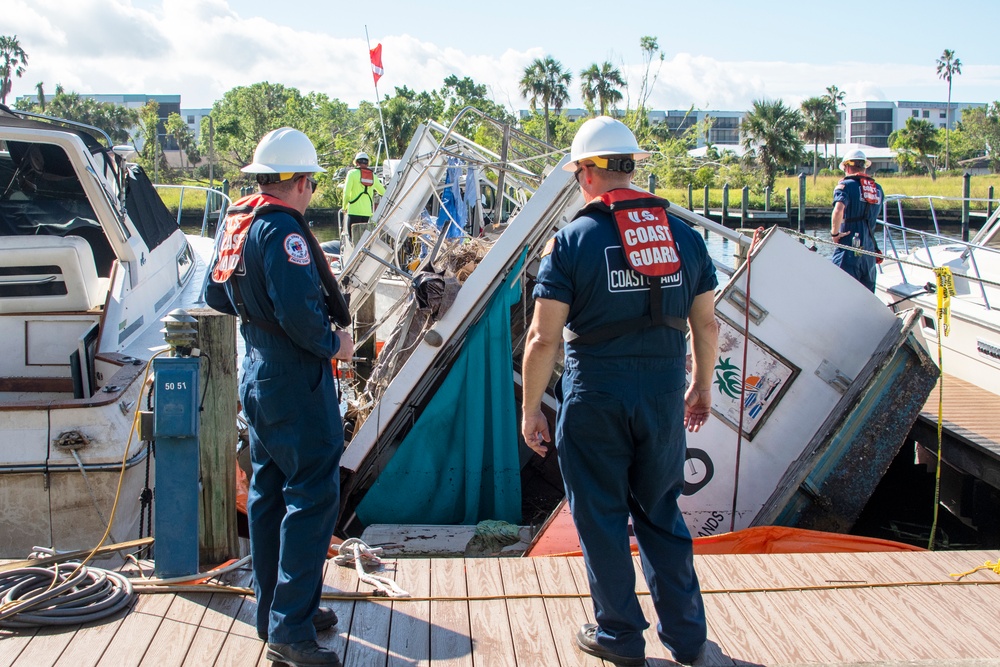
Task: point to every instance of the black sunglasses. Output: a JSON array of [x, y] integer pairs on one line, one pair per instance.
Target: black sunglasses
[[312, 182]]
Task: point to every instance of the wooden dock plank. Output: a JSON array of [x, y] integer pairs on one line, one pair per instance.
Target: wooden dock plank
[[565, 615], [451, 633], [129, 645], [654, 647], [46, 647], [853, 640], [13, 643], [492, 642], [90, 642], [735, 635], [339, 579], [761, 610], [409, 635], [210, 638], [578, 569], [173, 638], [370, 625], [529, 624]]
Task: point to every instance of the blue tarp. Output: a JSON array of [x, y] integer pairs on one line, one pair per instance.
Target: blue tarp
[[453, 211], [459, 462]]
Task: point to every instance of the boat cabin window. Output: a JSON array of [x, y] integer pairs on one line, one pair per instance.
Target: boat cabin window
[[41, 195]]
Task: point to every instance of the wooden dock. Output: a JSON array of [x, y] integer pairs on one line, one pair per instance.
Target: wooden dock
[[970, 449], [778, 609]]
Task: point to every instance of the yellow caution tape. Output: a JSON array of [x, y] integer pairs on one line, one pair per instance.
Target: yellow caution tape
[[945, 290]]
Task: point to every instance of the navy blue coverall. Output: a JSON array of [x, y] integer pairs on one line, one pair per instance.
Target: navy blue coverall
[[859, 223], [620, 434], [296, 432]]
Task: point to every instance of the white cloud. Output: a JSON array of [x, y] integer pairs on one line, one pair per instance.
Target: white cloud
[[202, 48]]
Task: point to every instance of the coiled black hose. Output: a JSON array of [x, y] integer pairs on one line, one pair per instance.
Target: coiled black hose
[[80, 594]]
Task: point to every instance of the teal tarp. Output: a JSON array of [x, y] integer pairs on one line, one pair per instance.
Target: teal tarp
[[459, 462]]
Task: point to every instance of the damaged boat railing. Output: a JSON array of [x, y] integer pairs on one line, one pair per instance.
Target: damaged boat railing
[[496, 185], [912, 240]]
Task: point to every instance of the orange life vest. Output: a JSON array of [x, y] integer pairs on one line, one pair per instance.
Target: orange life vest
[[239, 217]]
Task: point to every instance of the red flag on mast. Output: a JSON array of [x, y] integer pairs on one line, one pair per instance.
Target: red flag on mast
[[376, 56]]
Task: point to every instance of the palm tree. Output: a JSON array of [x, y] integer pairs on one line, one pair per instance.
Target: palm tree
[[918, 136], [835, 98], [601, 84], [12, 62], [947, 67], [820, 125], [41, 94], [545, 79], [770, 136]]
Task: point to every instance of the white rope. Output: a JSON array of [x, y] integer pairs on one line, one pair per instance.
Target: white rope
[[354, 551]]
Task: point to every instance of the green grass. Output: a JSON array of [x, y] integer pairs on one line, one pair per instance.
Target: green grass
[[820, 195]]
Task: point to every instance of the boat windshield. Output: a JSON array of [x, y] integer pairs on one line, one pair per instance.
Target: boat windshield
[[41, 195]]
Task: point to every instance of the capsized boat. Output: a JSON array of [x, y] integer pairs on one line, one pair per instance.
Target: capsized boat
[[90, 261], [832, 384], [971, 349]]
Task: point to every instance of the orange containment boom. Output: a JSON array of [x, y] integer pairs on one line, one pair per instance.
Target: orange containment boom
[[559, 538]]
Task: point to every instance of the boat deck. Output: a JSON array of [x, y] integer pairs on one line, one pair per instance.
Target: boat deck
[[777, 609]]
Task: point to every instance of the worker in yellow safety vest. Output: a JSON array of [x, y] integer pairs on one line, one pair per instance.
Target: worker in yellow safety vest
[[358, 203]]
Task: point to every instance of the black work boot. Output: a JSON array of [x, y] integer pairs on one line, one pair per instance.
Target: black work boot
[[303, 654]]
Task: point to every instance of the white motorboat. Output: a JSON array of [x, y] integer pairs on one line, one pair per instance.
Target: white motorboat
[[971, 349], [90, 261]]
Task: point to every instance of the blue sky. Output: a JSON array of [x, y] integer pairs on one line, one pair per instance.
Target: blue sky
[[718, 55]]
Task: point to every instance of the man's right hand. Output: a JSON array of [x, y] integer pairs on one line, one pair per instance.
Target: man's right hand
[[346, 350]]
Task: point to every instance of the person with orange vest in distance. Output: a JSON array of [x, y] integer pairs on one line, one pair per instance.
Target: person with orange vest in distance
[[359, 187], [857, 201], [271, 273]]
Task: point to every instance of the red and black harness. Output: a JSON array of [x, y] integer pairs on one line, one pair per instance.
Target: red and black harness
[[239, 219], [643, 227]]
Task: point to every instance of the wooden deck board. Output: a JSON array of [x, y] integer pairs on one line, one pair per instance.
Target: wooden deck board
[[529, 623], [451, 632], [762, 610], [492, 642], [409, 634], [970, 412]]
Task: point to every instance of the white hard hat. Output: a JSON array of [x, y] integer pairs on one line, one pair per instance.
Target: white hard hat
[[602, 137], [856, 154], [284, 151], [362, 156]]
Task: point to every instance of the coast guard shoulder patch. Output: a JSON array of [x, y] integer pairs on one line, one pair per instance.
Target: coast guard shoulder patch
[[297, 249]]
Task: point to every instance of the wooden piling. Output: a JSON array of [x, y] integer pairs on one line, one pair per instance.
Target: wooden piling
[[725, 203], [218, 435], [705, 209], [966, 193], [802, 203], [744, 205]]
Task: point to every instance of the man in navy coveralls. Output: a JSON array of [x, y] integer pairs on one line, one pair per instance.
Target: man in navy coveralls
[[623, 405]]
